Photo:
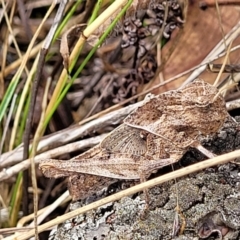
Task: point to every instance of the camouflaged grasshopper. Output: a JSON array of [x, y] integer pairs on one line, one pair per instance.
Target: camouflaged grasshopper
[[155, 135]]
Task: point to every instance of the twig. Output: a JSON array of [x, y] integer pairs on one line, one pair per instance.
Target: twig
[[14, 229], [12, 34], [226, 58], [42, 212], [140, 187], [212, 3], [65, 196], [21, 103], [235, 104]]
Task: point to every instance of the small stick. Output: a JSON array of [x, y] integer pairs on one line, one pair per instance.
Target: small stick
[[204, 151]]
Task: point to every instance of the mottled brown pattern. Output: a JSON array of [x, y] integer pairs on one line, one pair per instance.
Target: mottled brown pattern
[[155, 135], [181, 116]]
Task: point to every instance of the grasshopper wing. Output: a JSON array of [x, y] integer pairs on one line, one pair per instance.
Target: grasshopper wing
[[120, 166], [125, 139]]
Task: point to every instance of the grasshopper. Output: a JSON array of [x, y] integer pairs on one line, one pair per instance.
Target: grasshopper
[[155, 135]]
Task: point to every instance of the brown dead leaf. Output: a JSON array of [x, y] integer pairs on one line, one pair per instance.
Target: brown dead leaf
[[200, 35]]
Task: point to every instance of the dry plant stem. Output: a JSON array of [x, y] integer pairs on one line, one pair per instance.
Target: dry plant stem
[[220, 22], [235, 104], [159, 61], [223, 65], [34, 151], [24, 220], [21, 103], [100, 97], [159, 37], [87, 143], [229, 68], [140, 187], [115, 6], [36, 82], [5, 51], [56, 22], [34, 89], [25, 58], [64, 49], [15, 210], [42, 213], [26, 138], [14, 230], [204, 151], [43, 53], [65, 196], [168, 55], [212, 3], [174, 44]]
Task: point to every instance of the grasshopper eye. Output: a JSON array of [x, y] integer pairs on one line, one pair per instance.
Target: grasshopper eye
[[149, 96]]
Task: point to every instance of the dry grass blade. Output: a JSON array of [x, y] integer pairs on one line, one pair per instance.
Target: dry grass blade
[[44, 212], [34, 150], [235, 104], [14, 229], [21, 103]]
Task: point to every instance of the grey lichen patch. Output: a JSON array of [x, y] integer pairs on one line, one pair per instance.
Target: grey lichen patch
[[232, 210], [191, 195], [198, 195]]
